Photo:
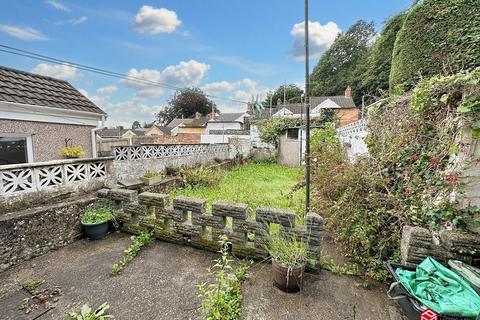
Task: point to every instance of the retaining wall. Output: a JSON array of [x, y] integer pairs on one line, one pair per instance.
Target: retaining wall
[[33, 232], [189, 222]]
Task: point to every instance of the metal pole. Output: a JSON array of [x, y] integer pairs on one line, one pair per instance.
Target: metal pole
[[307, 111]]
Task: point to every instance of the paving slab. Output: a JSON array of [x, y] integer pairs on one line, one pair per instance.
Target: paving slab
[[161, 284]]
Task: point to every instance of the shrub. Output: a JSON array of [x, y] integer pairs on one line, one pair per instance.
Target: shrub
[[97, 215], [222, 299], [437, 37], [271, 129], [289, 253], [201, 176], [87, 313], [407, 179], [72, 152]]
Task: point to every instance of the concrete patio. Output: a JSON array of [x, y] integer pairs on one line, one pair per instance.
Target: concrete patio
[[161, 284]]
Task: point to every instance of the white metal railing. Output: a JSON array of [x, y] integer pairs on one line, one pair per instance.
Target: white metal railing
[[166, 150], [32, 177]]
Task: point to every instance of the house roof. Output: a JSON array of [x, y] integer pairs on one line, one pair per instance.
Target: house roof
[[297, 108], [27, 88], [229, 117], [165, 130], [117, 133], [188, 123]]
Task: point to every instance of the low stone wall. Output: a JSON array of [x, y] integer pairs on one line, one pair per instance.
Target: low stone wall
[[189, 222], [33, 232], [418, 243]]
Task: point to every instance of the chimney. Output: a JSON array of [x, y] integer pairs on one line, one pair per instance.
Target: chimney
[[348, 92], [198, 115]]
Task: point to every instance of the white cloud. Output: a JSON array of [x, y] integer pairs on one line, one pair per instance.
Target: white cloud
[[220, 86], [60, 71], [24, 33], [321, 37], [153, 21], [108, 89], [80, 20], [57, 5], [184, 74], [125, 112]]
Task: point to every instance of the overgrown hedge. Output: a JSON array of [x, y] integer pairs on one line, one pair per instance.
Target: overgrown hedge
[[438, 37], [407, 179]]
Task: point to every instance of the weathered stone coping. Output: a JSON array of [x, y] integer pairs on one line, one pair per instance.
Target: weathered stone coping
[[188, 221]]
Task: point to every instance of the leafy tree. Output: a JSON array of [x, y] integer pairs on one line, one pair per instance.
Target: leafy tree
[[337, 67], [437, 37], [373, 79], [136, 125], [292, 93], [185, 103]]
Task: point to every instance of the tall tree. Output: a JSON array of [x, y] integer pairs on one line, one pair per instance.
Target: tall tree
[[292, 92], [136, 125], [336, 68], [374, 78], [185, 104]]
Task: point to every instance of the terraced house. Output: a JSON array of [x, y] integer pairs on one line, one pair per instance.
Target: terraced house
[[39, 115]]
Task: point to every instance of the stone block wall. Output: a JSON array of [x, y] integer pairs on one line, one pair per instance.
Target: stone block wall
[[188, 221], [418, 243], [33, 232]]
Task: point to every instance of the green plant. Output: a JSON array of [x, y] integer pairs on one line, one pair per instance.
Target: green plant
[[222, 299], [289, 253], [32, 284], [201, 176], [347, 269], [72, 152], [408, 177], [97, 215], [151, 174], [87, 313], [137, 243], [437, 37]]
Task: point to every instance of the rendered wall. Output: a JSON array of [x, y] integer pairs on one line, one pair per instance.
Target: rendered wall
[[49, 138]]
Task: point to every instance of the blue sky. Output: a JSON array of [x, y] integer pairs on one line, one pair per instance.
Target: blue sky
[[232, 49]]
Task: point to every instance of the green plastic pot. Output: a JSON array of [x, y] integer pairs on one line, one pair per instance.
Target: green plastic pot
[[96, 231]]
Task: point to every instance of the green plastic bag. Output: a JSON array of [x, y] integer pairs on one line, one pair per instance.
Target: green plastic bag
[[440, 289]]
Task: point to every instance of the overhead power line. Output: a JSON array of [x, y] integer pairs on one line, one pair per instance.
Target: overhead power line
[[36, 56]]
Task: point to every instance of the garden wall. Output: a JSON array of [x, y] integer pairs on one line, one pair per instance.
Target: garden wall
[[419, 243], [352, 136], [189, 222], [33, 232], [131, 162]]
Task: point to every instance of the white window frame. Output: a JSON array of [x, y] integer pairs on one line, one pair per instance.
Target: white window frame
[[28, 139]]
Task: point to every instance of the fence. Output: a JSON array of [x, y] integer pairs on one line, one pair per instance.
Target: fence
[[189, 222], [168, 150], [26, 178], [353, 135]]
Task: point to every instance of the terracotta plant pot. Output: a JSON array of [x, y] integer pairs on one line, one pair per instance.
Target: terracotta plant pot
[[96, 231], [287, 279]]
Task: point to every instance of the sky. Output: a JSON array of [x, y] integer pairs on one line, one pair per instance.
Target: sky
[[234, 50]]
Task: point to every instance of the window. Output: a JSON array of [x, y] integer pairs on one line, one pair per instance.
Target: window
[[15, 149], [292, 134]]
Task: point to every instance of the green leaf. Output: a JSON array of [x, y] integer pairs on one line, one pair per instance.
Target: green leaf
[[464, 108], [444, 98]]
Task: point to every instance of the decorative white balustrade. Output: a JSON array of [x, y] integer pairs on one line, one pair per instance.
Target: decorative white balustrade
[[25, 178], [356, 127], [167, 150]]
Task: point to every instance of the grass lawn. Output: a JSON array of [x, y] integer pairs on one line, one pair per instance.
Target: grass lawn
[[255, 184]]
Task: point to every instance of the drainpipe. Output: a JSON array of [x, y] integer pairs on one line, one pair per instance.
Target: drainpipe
[[94, 137]]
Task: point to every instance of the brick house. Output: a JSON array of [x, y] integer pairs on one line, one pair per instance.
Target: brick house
[[39, 115]]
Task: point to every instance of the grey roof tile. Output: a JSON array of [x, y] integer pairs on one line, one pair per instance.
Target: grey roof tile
[[28, 88]]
